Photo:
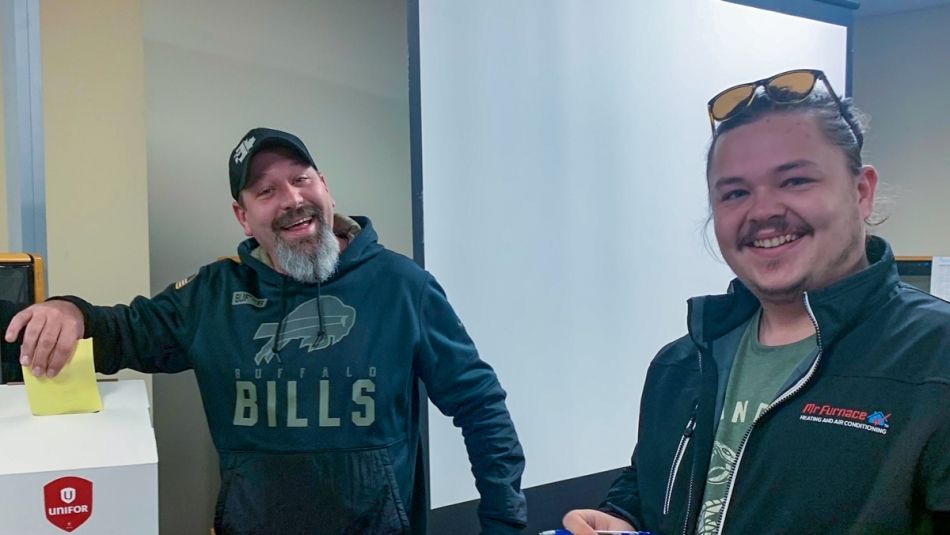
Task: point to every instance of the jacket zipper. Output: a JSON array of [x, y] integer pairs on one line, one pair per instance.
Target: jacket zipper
[[689, 492], [677, 459], [781, 399]]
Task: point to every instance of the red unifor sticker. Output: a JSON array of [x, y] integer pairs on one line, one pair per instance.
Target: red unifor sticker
[[68, 502]]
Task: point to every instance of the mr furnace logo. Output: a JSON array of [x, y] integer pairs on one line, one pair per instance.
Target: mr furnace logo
[[874, 421], [68, 502]]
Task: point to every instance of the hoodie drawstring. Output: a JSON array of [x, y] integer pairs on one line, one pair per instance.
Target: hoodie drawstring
[[322, 331], [283, 318], [282, 322]]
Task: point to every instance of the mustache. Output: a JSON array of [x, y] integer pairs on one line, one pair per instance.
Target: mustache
[[302, 212], [776, 223]]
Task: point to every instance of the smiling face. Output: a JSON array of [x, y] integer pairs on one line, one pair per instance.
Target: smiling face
[[285, 200], [788, 214]]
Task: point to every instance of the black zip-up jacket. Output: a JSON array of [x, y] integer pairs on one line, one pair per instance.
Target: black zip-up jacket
[[312, 391], [858, 440]]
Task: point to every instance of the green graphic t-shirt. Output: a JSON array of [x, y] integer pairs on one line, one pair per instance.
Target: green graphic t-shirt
[[758, 372]]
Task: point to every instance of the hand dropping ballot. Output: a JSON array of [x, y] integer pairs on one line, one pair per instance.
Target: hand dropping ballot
[[72, 473], [72, 391]]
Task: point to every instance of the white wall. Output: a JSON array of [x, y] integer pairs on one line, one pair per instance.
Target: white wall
[[332, 71], [563, 153], [902, 79]]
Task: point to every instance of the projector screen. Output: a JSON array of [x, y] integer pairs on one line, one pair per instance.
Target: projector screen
[[564, 199]]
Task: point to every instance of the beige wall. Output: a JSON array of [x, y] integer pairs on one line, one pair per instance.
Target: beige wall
[[94, 110], [4, 233], [94, 123], [902, 79], [332, 71]]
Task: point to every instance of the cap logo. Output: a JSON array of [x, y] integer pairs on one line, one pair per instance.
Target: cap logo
[[242, 149]]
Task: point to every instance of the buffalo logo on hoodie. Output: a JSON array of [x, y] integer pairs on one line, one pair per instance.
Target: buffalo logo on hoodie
[[304, 324]]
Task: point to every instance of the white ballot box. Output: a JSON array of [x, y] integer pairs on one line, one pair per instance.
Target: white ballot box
[[79, 473]]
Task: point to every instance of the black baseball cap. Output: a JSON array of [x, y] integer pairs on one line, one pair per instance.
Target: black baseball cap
[[256, 139]]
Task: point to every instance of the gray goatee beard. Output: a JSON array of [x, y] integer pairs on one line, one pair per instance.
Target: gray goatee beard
[[311, 259]]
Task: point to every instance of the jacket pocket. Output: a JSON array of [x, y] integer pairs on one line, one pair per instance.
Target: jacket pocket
[[677, 461], [339, 493]]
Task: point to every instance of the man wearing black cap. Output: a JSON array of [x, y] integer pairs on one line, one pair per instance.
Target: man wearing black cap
[[308, 353]]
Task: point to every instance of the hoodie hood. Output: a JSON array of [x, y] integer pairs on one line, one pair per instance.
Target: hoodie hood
[[361, 248]]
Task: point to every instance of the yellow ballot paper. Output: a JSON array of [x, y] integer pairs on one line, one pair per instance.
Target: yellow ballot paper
[[72, 391]]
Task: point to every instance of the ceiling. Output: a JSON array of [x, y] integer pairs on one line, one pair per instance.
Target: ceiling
[[883, 7]]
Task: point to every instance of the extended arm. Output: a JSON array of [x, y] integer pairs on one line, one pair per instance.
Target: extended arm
[[465, 387]]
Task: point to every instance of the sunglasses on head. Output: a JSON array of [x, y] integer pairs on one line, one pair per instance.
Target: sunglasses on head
[[786, 87]]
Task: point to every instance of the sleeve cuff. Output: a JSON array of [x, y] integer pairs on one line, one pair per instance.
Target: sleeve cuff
[[620, 513], [84, 308], [491, 526]]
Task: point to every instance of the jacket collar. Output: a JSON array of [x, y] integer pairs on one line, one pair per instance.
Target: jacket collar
[[836, 307]]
